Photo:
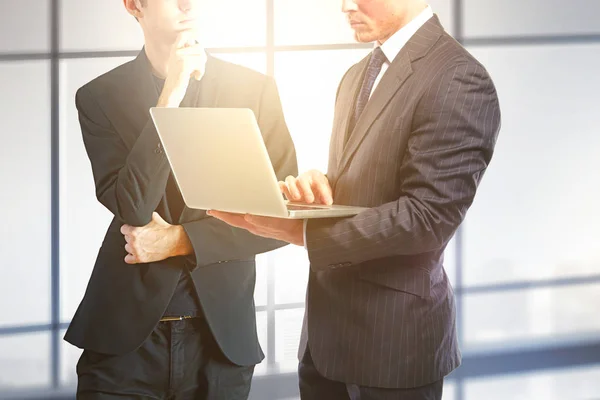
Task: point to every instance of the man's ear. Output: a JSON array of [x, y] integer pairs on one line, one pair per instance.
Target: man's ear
[[134, 7]]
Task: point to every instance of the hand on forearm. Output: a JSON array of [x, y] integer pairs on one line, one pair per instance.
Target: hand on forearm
[[155, 241]]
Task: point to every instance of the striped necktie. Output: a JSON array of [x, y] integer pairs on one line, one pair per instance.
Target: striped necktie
[[373, 69]]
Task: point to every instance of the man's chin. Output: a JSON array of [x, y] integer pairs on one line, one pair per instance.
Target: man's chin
[[364, 37]]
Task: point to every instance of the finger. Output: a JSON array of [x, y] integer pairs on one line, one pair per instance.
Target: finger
[[284, 189], [183, 38], [264, 232], [130, 259], [269, 223], [195, 50], [132, 233], [193, 60], [196, 64], [191, 41], [305, 190], [126, 229], [129, 248], [324, 193], [292, 188], [315, 174]]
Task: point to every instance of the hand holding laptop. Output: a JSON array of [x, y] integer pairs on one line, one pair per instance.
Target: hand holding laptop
[[284, 229], [309, 187]]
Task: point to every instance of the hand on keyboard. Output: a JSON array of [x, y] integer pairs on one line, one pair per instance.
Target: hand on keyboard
[[308, 188]]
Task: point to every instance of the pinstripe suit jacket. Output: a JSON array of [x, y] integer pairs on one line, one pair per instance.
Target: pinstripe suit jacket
[[380, 311]]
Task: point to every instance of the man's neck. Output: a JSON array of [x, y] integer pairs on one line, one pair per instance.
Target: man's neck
[[411, 15], [158, 53]]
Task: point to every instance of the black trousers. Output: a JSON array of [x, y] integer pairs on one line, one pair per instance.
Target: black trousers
[[180, 360], [314, 386]]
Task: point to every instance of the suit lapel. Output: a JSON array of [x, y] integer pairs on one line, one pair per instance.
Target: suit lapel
[[398, 72], [391, 81], [147, 91], [346, 100]]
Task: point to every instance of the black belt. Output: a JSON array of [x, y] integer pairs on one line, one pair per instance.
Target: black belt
[[168, 319]]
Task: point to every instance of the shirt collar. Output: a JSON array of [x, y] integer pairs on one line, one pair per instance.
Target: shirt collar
[[398, 40]]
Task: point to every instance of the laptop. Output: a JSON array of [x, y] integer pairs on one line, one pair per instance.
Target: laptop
[[220, 162]]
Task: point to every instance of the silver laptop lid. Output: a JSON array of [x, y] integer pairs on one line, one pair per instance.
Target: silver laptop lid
[[219, 159]]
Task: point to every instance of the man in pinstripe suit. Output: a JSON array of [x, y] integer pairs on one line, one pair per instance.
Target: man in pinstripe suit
[[414, 130]]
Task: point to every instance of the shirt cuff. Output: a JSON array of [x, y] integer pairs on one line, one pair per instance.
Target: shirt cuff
[[304, 222]]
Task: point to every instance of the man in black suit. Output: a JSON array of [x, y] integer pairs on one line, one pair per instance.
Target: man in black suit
[[415, 127], [169, 310]]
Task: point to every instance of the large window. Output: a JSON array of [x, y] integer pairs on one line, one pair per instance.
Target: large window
[[525, 265]]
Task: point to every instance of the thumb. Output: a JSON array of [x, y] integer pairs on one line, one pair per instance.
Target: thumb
[[184, 38], [158, 219], [181, 39]]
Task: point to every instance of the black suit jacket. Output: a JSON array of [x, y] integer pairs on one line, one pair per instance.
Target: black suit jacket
[[123, 303], [380, 310]]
